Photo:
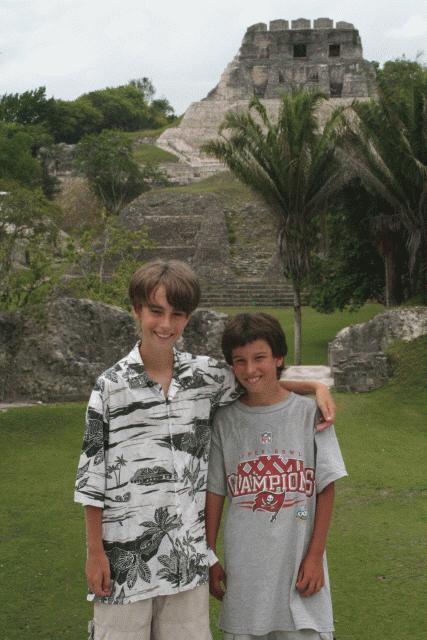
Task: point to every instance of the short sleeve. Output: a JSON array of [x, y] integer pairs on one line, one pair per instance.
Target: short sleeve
[[217, 482], [230, 389], [329, 462], [91, 472]]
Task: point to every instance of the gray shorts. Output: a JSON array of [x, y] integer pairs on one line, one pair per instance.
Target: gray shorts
[[303, 634], [181, 616]]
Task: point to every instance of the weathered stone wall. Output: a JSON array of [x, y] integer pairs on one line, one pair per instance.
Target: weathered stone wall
[[60, 349], [279, 60], [230, 242], [57, 353], [357, 356], [271, 62]]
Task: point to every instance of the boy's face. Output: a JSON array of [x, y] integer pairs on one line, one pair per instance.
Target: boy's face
[[255, 367], [161, 324]]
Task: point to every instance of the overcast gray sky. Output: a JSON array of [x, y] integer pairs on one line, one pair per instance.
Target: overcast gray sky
[[75, 46]]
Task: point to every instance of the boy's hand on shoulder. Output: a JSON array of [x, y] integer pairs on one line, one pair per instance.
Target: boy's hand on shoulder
[[310, 576], [217, 581], [326, 405], [98, 574]]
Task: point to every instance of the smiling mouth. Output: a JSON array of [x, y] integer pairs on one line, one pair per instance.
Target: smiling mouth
[[163, 337], [253, 380]]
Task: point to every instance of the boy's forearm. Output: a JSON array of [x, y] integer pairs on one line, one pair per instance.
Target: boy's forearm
[[93, 516], [303, 387], [213, 512], [322, 519]]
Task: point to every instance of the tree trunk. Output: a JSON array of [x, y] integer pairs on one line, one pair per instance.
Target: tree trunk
[[392, 284], [297, 323]]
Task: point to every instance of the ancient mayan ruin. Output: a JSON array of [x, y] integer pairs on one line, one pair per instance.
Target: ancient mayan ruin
[[231, 244], [272, 60]]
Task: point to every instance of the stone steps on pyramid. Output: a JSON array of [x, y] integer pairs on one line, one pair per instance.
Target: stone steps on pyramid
[[247, 294]]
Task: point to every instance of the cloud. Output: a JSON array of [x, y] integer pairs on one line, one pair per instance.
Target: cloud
[[414, 27]]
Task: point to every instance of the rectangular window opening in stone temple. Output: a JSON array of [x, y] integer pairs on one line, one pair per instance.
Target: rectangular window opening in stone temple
[[300, 51], [335, 89], [334, 50]]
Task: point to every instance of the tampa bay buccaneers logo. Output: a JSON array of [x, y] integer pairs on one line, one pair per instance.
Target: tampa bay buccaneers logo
[[268, 501]]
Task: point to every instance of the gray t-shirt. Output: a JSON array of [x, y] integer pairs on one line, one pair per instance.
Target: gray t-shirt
[[271, 464]]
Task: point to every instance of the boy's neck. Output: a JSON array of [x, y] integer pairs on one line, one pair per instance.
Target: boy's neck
[[273, 396], [157, 361]]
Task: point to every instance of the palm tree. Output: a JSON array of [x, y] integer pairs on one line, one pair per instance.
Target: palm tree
[[291, 164], [386, 146]]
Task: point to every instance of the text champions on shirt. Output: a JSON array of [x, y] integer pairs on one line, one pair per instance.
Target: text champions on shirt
[[271, 473]]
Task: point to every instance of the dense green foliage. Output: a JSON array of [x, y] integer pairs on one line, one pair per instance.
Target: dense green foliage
[[29, 246], [107, 162], [128, 107], [69, 121], [33, 253], [386, 147], [347, 270], [103, 260], [17, 161], [376, 544], [291, 165], [30, 107]]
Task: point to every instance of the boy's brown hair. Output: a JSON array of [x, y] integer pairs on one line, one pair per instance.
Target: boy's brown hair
[[248, 327], [179, 280]]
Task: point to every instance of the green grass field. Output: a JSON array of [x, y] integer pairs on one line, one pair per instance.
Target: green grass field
[[150, 153], [377, 554]]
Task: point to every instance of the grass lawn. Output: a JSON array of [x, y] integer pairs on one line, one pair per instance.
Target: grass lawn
[[377, 554], [150, 153]]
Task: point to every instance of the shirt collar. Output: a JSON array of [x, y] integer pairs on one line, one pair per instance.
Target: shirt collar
[[181, 364]]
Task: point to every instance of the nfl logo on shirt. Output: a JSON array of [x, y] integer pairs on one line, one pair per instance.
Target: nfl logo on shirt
[[266, 437]]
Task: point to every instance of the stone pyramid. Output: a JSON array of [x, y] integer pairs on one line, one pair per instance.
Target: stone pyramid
[[271, 61]]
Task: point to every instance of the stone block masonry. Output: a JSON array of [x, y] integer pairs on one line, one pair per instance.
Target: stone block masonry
[[273, 60]]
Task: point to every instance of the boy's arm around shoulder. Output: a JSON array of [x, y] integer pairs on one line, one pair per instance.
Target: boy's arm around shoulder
[[310, 575], [324, 398]]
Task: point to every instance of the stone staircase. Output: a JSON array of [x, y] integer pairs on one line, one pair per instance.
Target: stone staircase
[[246, 294]]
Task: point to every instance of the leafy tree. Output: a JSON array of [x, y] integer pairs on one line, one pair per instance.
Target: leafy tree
[[103, 260], [69, 121], [291, 165], [114, 176], [16, 156], [386, 146], [30, 107], [162, 111], [123, 108], [29, 246], [146, 86], [348, 270]]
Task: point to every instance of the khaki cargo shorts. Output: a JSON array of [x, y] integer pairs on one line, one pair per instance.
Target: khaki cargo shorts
[[182, 616]]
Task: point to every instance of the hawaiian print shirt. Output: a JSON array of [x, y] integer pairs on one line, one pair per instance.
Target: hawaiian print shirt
[[144, 461]]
